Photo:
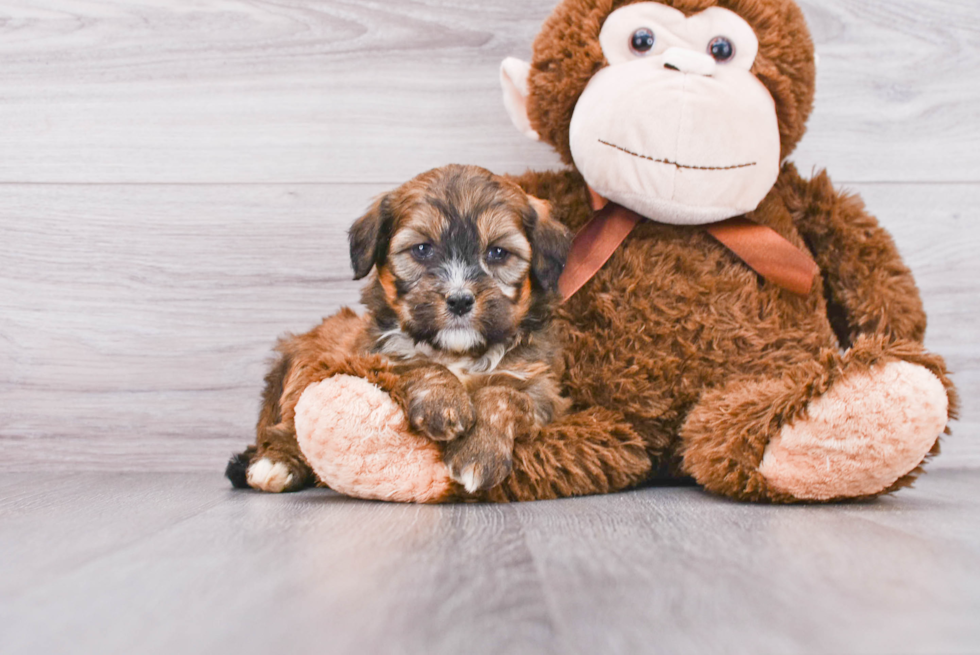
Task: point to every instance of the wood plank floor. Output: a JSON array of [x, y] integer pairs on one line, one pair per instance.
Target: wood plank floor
[[180, 563]]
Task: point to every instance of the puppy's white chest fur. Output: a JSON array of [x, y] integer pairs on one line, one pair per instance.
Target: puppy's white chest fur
[[399, 345]]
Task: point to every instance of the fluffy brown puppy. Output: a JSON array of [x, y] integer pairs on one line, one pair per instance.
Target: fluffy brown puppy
[[458, 311]]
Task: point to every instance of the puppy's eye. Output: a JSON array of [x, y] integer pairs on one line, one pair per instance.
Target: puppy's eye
[[642, 40], [721, 48], [497, 255], [422, 251]]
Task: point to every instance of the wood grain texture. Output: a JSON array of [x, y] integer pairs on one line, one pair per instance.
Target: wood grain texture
[[123, 563], [897, 86], [139, 313], [236, 91], [137, 319]]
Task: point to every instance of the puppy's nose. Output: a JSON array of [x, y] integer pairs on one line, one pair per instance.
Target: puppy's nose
[[460, 304]]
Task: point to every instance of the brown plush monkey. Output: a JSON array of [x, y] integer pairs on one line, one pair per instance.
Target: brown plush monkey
[[681, 359]]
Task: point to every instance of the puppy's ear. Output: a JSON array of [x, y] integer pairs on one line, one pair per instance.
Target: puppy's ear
[[368, 238], [550, 242]]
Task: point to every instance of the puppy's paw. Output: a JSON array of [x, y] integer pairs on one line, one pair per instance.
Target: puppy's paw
[[479, 461], [267, 475], [443, 413]]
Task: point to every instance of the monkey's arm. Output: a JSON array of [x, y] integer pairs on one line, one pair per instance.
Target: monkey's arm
[[869, 289], [433, 399], [592, 451]]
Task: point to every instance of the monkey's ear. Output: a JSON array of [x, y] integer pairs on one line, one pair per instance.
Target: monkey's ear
[[368, 238], [513, 79], [550, 242]]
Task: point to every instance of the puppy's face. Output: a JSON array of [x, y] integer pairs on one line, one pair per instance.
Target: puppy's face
[[463, 258]]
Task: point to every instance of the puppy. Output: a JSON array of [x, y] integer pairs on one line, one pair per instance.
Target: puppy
[[465, 272]]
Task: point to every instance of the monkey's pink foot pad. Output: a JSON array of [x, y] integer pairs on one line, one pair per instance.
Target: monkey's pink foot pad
[[357, 441], [866, 432]]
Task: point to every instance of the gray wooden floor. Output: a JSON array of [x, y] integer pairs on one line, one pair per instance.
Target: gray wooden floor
[[178, 563]]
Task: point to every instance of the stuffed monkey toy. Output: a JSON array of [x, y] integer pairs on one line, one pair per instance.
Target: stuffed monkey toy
[[727, 319]]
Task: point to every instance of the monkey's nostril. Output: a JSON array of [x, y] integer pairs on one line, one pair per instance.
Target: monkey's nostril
[[460, 304], [689, 62]]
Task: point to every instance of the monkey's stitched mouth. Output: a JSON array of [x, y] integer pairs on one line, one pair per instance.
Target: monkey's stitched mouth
[[674, 163]]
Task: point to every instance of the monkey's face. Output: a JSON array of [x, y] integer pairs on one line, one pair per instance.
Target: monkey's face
[[681, 116], [676, 127], [461, 258]]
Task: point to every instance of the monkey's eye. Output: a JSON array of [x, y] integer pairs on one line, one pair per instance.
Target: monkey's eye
[[642, 40], [497, 255], [721, 49], [421, 251]]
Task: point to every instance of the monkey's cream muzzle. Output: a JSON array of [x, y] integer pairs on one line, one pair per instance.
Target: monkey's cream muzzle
[[676, 147]]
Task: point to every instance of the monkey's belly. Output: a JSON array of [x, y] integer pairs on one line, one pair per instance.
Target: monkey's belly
[[674, 313]]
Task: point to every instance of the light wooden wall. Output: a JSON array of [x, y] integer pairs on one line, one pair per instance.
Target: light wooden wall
[[176, 179]]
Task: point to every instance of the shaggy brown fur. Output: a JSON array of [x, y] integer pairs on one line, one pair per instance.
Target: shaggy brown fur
[[456, 251], [677, 340]]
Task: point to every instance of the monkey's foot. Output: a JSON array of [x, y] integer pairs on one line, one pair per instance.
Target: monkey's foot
[[357, 441], [870, 429]]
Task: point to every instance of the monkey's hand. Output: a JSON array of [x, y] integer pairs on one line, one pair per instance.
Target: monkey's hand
[[436, 402], [484, 457]]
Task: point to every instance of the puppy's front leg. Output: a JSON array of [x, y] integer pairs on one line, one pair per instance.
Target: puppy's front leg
[[435, 401], [484, 457]]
